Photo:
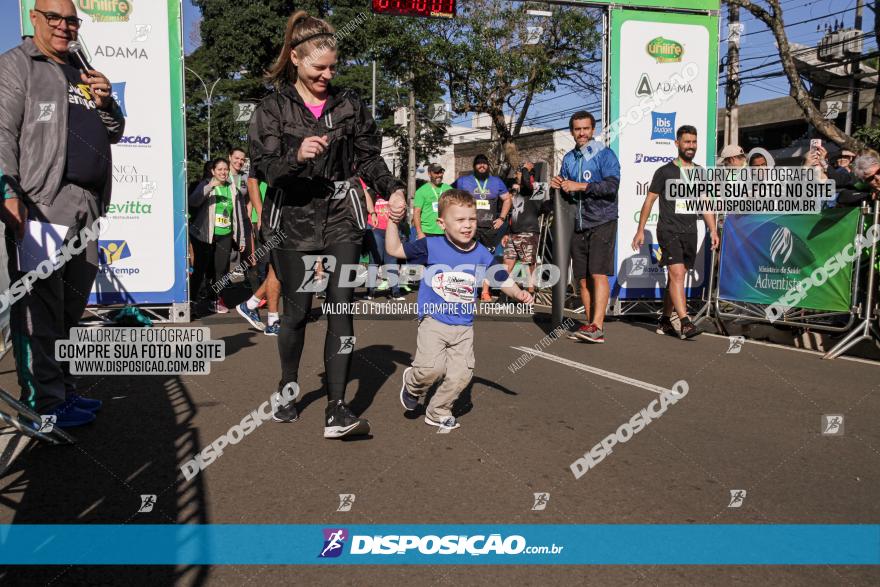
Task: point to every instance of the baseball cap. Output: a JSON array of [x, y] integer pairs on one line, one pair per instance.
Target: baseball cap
[[732, 151], [435, 168], [481, 159]]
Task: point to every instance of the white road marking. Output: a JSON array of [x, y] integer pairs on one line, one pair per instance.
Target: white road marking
[[596, 371]]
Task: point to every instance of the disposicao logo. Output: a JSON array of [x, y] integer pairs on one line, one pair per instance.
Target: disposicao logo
[[665, 50], [663, 126], [334, 541], [112, 251]]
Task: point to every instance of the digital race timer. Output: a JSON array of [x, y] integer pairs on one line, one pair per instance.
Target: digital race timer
[[435, 8]]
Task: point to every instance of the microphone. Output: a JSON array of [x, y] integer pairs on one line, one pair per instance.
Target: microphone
[[75, 49]]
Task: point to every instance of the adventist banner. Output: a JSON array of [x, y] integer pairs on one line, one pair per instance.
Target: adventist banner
[[764, 256]]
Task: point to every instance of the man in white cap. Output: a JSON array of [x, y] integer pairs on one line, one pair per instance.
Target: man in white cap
[[733, 156]]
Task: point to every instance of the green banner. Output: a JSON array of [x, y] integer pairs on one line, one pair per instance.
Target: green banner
[[768, 259]]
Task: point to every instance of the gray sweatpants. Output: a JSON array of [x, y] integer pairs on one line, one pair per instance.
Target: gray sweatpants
[[55, 304], [444, 351]]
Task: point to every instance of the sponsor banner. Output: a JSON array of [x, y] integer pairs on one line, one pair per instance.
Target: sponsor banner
[[651, 54], [764, 255], [136, 44], [502, 544]]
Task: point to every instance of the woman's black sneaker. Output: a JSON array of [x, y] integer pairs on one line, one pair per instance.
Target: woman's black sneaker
[[689, 330], [664, 326], [340, 422]]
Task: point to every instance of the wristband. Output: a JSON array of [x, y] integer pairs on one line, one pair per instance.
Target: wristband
[[8, 196]]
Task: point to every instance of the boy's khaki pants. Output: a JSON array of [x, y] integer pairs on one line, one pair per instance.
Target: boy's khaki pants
[[444, 351]]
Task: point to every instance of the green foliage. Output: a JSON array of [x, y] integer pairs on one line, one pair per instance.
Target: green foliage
[[870, 135]]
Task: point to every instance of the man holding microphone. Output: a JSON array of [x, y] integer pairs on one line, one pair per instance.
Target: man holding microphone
[[57, 121]]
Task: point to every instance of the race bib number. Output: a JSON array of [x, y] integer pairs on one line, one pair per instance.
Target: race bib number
[[435, 206], [484, 205], [222, 221]]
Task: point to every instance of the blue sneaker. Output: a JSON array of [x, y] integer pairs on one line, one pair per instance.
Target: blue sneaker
[[84, 403], [272, 329], [408, 400], [252, 316]]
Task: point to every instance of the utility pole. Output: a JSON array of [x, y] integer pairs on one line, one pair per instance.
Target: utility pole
[[731, 118], [852, 113], [411, 135]]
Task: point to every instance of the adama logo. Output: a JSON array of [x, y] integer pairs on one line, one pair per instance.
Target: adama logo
[[334, 542], [665, 50], [106, 10]]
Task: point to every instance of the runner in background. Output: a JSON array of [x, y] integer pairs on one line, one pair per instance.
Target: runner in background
[[521, 243], [488, 191], [676, 235], [426, 202], [374, 242], [269, 289], [218, 220]]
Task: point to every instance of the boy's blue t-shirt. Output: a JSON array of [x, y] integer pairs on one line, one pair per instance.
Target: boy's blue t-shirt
[[448, 291], [487, 193]]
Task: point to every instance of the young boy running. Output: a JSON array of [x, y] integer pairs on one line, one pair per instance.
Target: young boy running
[[456, 265]]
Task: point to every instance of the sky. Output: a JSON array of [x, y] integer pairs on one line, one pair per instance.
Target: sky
[[758, 52]]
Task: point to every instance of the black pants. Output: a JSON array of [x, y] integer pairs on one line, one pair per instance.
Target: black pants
[[211, 264], [296, 271], [54, 305]]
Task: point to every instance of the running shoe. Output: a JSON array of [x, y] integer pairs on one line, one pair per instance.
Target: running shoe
[[383, 286], [84, 403], [252, 316], [572, 332], [664, 326], [689, 330], [398, 297], [286, 412], [449, 422], [272, 329], [219, 307], [591, 333], [580, 332], [339, 422], [408, 400]]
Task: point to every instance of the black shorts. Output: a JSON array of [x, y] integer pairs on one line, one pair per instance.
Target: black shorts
[[592, 251], [488, 237], [677, 247]]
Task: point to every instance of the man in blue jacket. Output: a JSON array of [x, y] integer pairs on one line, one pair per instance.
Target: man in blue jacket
[[590, 177]]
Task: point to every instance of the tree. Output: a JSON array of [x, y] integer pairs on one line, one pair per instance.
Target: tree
[[774, 20], [486, 64]]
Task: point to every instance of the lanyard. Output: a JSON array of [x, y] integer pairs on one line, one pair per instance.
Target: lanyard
[[438, 194], [483, 190]]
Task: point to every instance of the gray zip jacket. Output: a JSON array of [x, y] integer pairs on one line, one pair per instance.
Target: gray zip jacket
[[33, 126]]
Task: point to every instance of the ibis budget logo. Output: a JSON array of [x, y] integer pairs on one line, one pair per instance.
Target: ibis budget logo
[[665, 50], [106, 10]]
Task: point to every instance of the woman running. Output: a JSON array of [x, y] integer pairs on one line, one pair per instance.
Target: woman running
[[312, 141]]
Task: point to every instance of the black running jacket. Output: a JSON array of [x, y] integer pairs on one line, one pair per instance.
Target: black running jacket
[[318, 202]]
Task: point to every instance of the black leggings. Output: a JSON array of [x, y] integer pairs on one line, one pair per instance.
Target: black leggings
[[290, 267], [211, 262]]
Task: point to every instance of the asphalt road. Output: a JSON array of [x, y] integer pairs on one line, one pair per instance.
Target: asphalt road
[[751, 420]]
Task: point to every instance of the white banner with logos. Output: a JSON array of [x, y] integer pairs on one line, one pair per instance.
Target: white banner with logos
[[666, 62], [136, 44]]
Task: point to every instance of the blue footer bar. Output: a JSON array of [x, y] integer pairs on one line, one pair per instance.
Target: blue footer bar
[[636, 544]]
